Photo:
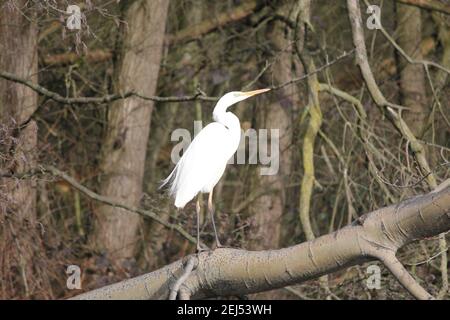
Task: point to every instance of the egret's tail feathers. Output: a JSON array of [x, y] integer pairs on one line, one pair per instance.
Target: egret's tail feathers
[[164, 182], [172, 185], [168, 181]]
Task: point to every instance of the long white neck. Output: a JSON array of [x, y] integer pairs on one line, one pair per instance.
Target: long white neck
[[229, 120], [220, 109]]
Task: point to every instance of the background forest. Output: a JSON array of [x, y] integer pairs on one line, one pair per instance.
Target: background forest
[[86, 118]]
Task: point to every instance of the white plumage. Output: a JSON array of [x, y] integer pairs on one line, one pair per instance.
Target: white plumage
[[203, 163]]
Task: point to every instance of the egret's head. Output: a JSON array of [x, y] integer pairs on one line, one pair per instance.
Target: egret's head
[[236, 96]]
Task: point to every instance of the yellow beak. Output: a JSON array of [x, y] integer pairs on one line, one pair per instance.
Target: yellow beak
[[254, 92]]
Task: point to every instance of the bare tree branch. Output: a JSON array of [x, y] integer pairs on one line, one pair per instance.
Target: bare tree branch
[[91, 194], [177, 286], [204, 27], [99, 100], [433, 5], [118, 96], [407, 281], [92, 56]]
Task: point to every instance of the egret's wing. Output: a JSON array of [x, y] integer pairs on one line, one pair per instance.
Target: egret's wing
[[203, 161]]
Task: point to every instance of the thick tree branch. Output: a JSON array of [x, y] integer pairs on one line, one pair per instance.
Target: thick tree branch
[[434, 5], [93, 56], [211, 24], [225, 272]]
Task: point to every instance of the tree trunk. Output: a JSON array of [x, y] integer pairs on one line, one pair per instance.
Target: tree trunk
[[412, 77], [18, 138], [269, 208], [125, 144]]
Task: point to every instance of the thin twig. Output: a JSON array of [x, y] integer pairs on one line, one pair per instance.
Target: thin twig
[[176, 287], [313, 72], [428, 260]]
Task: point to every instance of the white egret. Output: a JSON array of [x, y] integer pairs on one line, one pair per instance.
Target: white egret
[[203, 163]]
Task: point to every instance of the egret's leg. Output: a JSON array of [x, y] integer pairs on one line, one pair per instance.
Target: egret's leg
[[211, 212], [197, 208]]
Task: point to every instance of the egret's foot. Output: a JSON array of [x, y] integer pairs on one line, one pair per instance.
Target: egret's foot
[[225, 247], [201, 249], [221, 246], [218, 244]]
